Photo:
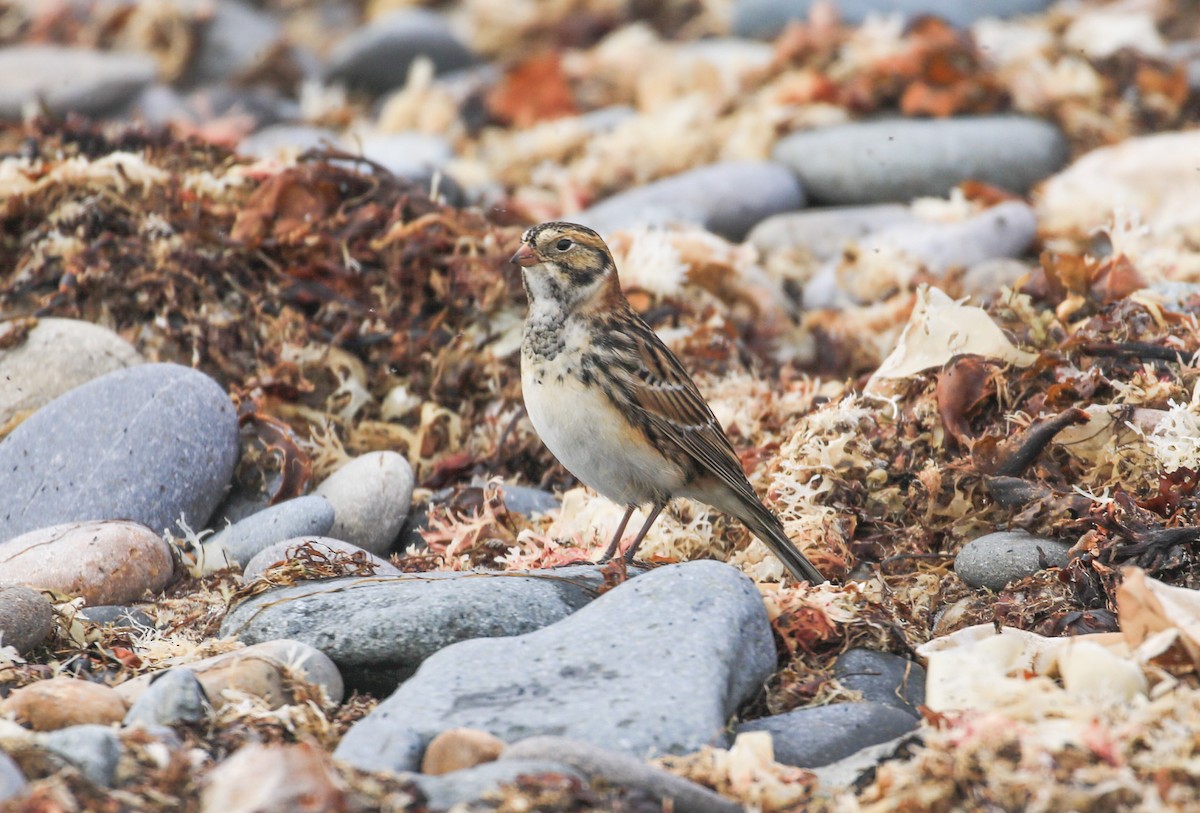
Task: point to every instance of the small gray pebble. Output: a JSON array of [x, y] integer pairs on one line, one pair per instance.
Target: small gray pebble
[[996, 559], [809, 738], [93, 749], [174, 697]]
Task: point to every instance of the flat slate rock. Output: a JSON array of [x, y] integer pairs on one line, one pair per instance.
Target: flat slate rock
[[303, 516], [766, 18], [150, 444], [887, 160], [993, 560], [54, 357], [654, 666], [377, 58], [727, 198], [378, 630], [810, 738], [70, 80]]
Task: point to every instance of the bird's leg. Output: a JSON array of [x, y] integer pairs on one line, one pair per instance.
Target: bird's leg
[[616, 540], [637, 540]]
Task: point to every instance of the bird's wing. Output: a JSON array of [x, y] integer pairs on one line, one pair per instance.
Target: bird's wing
[[671, 409]]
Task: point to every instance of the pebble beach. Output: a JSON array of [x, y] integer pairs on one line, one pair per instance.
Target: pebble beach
[[277, 535]]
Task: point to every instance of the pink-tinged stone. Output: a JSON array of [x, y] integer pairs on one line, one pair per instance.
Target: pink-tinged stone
[[105, 562], [49, 705]]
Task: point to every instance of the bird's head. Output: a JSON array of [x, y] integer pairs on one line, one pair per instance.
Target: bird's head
[[566, 264]]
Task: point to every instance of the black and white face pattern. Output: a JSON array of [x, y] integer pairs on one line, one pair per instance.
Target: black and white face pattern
[[573, 264]]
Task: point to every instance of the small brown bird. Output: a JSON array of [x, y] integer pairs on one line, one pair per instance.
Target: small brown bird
[[614, 405]]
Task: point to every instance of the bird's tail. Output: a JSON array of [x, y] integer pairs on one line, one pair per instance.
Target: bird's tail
[[767, 527]]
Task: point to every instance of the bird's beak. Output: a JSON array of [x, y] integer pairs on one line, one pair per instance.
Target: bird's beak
[[525, 256]]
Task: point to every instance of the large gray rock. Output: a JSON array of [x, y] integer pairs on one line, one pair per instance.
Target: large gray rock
[[379, 630], [151, 444], [377, 58], [727, 199], [302, 516], [809, 738], [900, 159], [70, 80], [993, 560], [766, 18], [882, 677], [56, 356], [470, 784], [614, 768], [654, 666]]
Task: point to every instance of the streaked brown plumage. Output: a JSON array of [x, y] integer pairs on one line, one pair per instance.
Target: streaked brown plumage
[[614, 404]]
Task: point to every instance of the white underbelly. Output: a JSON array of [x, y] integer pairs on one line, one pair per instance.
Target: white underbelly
[[582, 429]]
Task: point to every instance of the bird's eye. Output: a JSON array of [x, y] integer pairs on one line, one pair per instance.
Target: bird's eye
[[563, 244]]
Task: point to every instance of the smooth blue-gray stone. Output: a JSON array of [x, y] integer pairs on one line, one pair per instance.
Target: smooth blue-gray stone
[[823, 233], [302, 516], [174, 697], [766, 18], [234, 39], [727, 199], [528, 501], [394, 749], [655, 666], [900, 159], [152, 444], [614, 768], [377, 58], [444, 791], [117, 615], [1007, 229], [67, 79], [809, 738], [993, 560], [319, 546], [882, 677], [26, 617], [408, 155], [93, 749], [378, 630], [279, 139], [55, 357], [12, 781]]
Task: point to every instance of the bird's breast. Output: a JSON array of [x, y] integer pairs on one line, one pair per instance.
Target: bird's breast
[[582, 427]]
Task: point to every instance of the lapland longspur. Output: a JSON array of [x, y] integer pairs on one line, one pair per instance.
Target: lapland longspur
[[615, 405]]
